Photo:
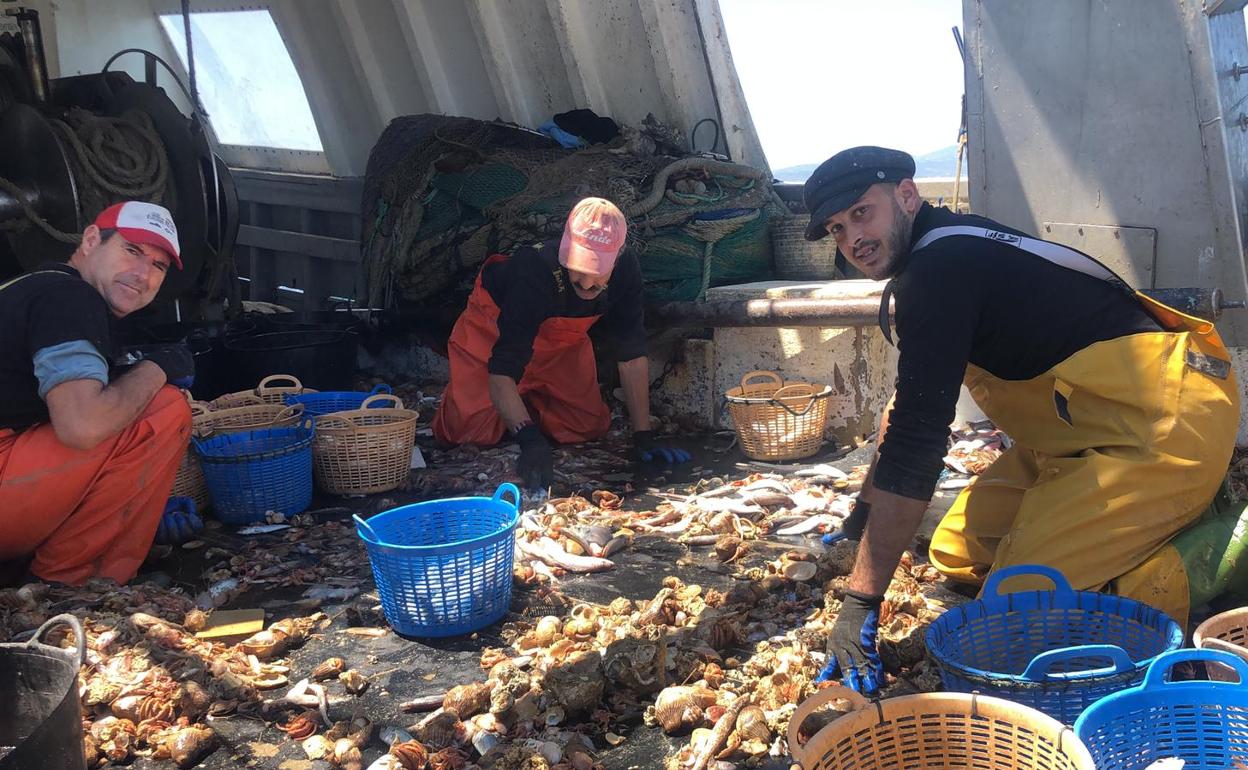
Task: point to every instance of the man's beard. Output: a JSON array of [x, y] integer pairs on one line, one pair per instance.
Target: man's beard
[[898, 239]]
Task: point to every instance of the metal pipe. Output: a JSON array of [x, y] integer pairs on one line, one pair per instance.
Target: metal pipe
[[768, 312], [32, 41]]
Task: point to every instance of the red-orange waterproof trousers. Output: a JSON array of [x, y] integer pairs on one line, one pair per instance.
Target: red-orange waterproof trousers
[[90, 513]]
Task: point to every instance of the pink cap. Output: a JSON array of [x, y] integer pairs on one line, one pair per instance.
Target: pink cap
[[593, 237], [140, 222]]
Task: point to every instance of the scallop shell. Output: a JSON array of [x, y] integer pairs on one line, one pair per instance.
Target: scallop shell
[[412, 755], [318, 747], [264, 644], [439, 730], [329, 668], [468, 699], [752, 724], [682, 706], [799, 571], [190, 744]]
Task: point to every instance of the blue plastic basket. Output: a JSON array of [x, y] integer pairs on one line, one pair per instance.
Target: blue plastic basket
[[327, 402], [443, 567], [1203, 723], [256, 471], [1048, 649]]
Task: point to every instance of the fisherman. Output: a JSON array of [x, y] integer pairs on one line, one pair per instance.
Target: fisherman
[[88, 457], [1123, 411], [521, 358]]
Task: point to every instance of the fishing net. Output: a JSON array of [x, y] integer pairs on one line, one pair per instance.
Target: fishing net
[[443, 193]]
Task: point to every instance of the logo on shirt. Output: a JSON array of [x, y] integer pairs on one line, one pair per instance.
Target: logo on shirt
[[997, 235]]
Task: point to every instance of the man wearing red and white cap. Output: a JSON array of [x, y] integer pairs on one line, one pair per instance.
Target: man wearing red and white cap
[[88, 455], [520, 354]]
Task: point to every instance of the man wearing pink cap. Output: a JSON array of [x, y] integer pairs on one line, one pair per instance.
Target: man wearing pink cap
[[521, 358], [87, 455]]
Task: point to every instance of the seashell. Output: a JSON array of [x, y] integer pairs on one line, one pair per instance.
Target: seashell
[[294, 629], [387, 762], [391, 735], [447, 759], [752, 725], [580, 760], [468, 699], [264, 644], [439, 730], [682, 706], [270, 680], [546, 630], [620, 606], [222, 708], [195, 700], [501, 701], [713, 675], [353, 681], [302, 726], [99, 691], [127, 707], [554, 715], [318, 747], [329, 668], [799, 571], [346, 753], [576, 684], [411, 754], [195, 620], [154, 707], [550, 751], [190, 744], [613, 739]]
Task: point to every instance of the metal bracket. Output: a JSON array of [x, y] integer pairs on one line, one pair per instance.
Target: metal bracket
[[1238, 69]]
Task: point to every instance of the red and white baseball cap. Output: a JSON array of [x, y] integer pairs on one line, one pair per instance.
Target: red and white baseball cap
[[593, 237], [140, 222]]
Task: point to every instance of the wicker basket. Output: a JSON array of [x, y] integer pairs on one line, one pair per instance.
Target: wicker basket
[[798, 259], [934, 731], [264, 393], [249, 417], [365, 450], [778, 420], [189, 481], [1228, 632]]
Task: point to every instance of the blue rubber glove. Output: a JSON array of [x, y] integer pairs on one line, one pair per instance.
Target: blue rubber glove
[[179, 522], [854, 524], [647, 450], [853, 652]]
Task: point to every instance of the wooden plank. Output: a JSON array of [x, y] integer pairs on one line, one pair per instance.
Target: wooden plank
[[300, 191], [316, 246]]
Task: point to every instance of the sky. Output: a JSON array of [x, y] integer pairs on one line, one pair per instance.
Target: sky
[[823, 75]]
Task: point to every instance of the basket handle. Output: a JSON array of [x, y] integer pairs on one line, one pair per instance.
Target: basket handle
[[70, 621], [1038, 669], [810, 706], [364, 530], [379, 397], [199, 409], [292, 410], [775, 399], [272, 378], [1155, 678], [1061, 585], [1214, 643], [503, 489], [760, 374], [380, 387]]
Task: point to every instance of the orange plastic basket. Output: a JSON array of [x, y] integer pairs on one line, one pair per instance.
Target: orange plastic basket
[[934, 731], [778, 420]]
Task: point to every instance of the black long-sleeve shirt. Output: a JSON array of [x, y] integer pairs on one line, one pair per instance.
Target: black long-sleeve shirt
[[967, 299], [532, 286]]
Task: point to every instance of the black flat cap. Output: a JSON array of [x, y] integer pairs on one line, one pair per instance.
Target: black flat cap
[[843, 178]]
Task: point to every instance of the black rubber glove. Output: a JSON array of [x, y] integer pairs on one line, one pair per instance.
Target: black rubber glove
[[853, 526], [536, 465], [853, 653], [173, 358], [647, 449]]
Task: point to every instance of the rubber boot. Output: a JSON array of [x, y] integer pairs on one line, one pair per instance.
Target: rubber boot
[[1214, 550]]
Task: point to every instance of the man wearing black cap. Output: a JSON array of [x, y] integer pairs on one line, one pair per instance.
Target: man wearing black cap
[[1122, 410]]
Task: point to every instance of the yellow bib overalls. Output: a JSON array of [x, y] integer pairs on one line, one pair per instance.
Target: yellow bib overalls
[[1116, 449]]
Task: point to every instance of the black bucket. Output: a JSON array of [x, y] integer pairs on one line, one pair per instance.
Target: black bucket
[[309, 319], [323, 359], [40, 719], [214, 372]]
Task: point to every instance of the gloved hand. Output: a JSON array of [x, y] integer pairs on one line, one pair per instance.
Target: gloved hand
[[853, 653], [853, 526], [179, 523], [646, 448], [536, 464], [173, 358]]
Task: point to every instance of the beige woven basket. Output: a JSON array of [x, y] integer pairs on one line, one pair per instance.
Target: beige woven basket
[[365, 450], [778, 420], [189, 481], [250, 417], [935, 731], [1227, 631], [264, 393]]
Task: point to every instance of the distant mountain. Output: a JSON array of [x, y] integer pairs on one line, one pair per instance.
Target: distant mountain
[[938, 163]]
